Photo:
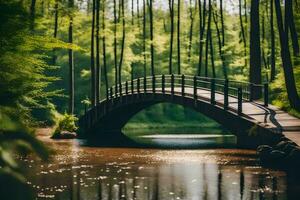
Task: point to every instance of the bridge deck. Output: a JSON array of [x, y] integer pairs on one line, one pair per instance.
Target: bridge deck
[[269, 117]]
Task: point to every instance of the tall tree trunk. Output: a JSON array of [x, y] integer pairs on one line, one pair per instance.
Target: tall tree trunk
[[123, 44], [286, 60], [222, 23], [151, 37], [255, 51], [104, 48], [71, 61], [263, 41], [273, 60], [215, 17], [208, 37], [93, 71], [115, 45], [178, 39], [243, 31], [144, 38], [138, 11], [291, 25], [55, 29], [132, 11], [171, 8], [32, 14], [191, 30], [98, 68], [202, 20]]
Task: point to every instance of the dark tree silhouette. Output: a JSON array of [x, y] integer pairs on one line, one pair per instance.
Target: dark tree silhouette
[[255, 51], [151, 36], [54, 57], [191, 29], [243, 31], [289, 14], [202, 19], [272, 58], [144, 38], [32, 14], [171, 8], [123, 42], [104, 49], [286, 59], [98, 67], [93, 77], [71, 61], [115, 44], [178, 39]]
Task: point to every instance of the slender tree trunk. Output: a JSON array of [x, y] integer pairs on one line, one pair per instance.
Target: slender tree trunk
[[32, 14], [93, 71], [115, 45], [292, 27], [255, 51], [71, 61], [138, 11], [215, 17], [243, 31], [132, 11], [123, 44], [273, 60], [263, 40], [55, 29], [286, 60], [98, 67], [178, 40], [222, 23], [208, 37], [151, 37], [202, 19], [104, 48], [171, 8], [191, 31], [144, 38]]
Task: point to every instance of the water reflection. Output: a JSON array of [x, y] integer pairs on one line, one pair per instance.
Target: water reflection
[[87, 173], [165, 181]]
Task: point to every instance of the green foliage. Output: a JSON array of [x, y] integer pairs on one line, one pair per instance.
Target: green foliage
[[66, 123]]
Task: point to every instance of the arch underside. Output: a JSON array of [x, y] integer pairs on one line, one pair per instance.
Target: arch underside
[[110, 116]]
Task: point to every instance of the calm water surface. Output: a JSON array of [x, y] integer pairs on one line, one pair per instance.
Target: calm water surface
[[78, 172]]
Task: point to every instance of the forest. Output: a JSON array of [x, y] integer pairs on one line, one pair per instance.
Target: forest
[[60, 56]]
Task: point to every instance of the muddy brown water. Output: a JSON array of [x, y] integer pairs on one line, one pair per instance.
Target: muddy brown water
[[78, 172]]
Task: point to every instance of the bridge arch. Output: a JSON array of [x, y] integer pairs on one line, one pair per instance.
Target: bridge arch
[[216, 99]]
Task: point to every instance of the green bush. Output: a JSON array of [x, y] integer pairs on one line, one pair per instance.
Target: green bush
[[66, 123]]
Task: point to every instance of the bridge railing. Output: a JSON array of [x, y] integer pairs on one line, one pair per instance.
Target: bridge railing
[[186, 85]]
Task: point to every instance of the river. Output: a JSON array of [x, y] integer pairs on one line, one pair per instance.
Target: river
[[76, 171]]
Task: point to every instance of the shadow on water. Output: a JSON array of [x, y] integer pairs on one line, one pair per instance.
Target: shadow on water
[[162, 141]]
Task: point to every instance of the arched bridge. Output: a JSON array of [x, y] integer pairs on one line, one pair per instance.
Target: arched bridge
[[228, 102]]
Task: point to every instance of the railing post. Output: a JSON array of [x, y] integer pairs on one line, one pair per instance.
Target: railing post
[[163, 83], [132, 87], [212, 91], [111, 93], [153, 83], [172, 84], [195, 88], [226, 94], [182, 84], [251, 90], [120, 89], [240, 101], [138, 85], [126, 87], [266, 94], [145, 84]]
